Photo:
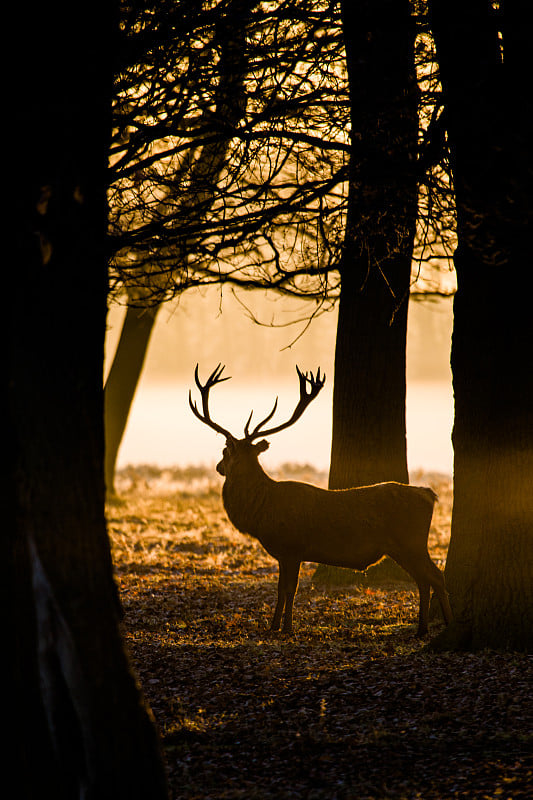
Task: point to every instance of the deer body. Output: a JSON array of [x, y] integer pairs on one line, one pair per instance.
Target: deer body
[[298, 522], [350, 528]]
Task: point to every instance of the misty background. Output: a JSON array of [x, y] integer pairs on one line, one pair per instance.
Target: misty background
[[206, 327]]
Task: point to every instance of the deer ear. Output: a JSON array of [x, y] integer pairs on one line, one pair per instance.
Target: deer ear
[[261, 446]]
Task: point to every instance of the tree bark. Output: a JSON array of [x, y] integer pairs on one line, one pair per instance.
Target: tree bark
[[482, 57], [84, 730]]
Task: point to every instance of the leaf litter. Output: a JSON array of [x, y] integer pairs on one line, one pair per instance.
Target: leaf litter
[[351, 706]]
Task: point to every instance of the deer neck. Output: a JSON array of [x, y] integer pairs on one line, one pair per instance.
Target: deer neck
[[245, 495]]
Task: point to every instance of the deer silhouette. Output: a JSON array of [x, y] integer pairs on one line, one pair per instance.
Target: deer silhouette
[[296, 521]]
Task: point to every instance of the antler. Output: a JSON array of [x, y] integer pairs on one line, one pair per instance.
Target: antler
[[213, 379], [316, 384]]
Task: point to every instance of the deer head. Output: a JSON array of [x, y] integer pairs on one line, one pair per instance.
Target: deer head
[[243, 452]]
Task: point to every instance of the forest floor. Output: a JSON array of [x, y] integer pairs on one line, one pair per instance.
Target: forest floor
[[351, 706]]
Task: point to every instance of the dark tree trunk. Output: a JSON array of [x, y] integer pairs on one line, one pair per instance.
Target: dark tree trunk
[[83, 727], [369, 435], [122, 381], [489, 570], [369, 432]]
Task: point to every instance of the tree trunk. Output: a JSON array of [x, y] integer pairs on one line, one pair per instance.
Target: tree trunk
[[84, 730], [369, 433], [489, 570], [122, 382]]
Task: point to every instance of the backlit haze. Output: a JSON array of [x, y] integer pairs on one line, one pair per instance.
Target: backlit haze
[[205, 329]]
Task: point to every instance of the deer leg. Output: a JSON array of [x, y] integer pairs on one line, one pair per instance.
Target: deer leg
[[423, 609], [426, 575], [280, 605], [436, 579], [292, 572], [417, 569]]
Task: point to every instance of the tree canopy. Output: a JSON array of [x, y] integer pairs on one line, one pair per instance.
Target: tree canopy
[[230, 153]]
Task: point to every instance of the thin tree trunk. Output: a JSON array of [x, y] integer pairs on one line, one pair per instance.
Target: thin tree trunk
[[122, 382]]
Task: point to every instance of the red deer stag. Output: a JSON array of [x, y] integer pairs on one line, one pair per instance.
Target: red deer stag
[[298, 522]]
